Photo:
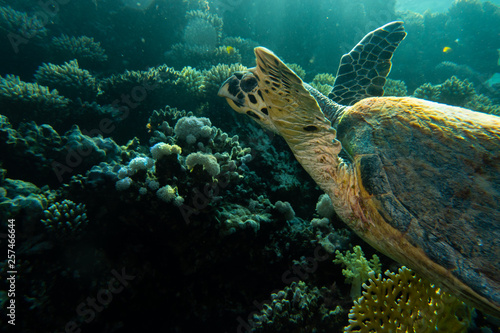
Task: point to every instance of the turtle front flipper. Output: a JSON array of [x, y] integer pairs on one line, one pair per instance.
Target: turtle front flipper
[[362, 72]]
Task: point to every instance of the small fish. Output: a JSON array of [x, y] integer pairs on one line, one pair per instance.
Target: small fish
[[149, 127], [447, 49], [230, 50]]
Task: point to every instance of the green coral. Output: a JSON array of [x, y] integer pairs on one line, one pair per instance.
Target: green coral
[[395, 88], [323, 82], [458, 93], [404, 302], [298, 70], [216, 75], [484, 104], [244, 46], [85, 49], [65, 219], [14, 21], [299, 305], [214, 20], [357, 268], [191, 80], [17, 97], [69, 79]]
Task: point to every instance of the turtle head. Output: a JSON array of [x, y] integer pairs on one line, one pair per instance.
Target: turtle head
[[244, 95]]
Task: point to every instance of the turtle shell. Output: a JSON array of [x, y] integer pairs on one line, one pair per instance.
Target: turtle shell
[[429, 174]]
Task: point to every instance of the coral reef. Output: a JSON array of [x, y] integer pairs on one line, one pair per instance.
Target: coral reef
[[357, 268], [55, 157], [395, 88], [86, 50], [244, 46], [404, 302], [20, 26], [68, 79], [131, 192], [323, 83], [65, 219], [458, 93], [298, 70], [21, 101], [298, 305]]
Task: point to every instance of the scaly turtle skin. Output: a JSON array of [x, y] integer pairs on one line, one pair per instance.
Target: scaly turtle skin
[[420, 181]]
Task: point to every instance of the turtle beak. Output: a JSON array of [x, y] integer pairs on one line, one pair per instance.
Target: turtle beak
[[230, 90]]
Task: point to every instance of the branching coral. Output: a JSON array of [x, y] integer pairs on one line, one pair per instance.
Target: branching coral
[[357, 268], [16, 22], [395, 88], [323, 83], [404, 302], [85, 49], [65, 219], [459, 93], [69, 79], [215, 76], [244, 46], [212, 19], [298, 305], [298, 70], [18, 97]]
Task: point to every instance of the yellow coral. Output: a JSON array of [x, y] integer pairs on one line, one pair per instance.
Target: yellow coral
[[404, 302]]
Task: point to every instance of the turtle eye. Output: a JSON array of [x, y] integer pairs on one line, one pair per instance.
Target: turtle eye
[[248, 83]]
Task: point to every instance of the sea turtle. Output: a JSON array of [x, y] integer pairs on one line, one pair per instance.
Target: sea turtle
[[417, 180]]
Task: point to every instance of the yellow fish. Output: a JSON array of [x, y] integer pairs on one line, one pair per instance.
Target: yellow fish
[[230, 50], [447, 49]]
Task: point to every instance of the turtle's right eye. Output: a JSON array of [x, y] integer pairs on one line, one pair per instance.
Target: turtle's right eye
[[248, 83]]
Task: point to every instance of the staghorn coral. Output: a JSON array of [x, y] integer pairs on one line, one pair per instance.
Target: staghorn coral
[[395, 88], [65, 220], [88, 52], [16, 22], [298, 305], [69, 80], [21, 101], [404, 302], [357, 268]]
